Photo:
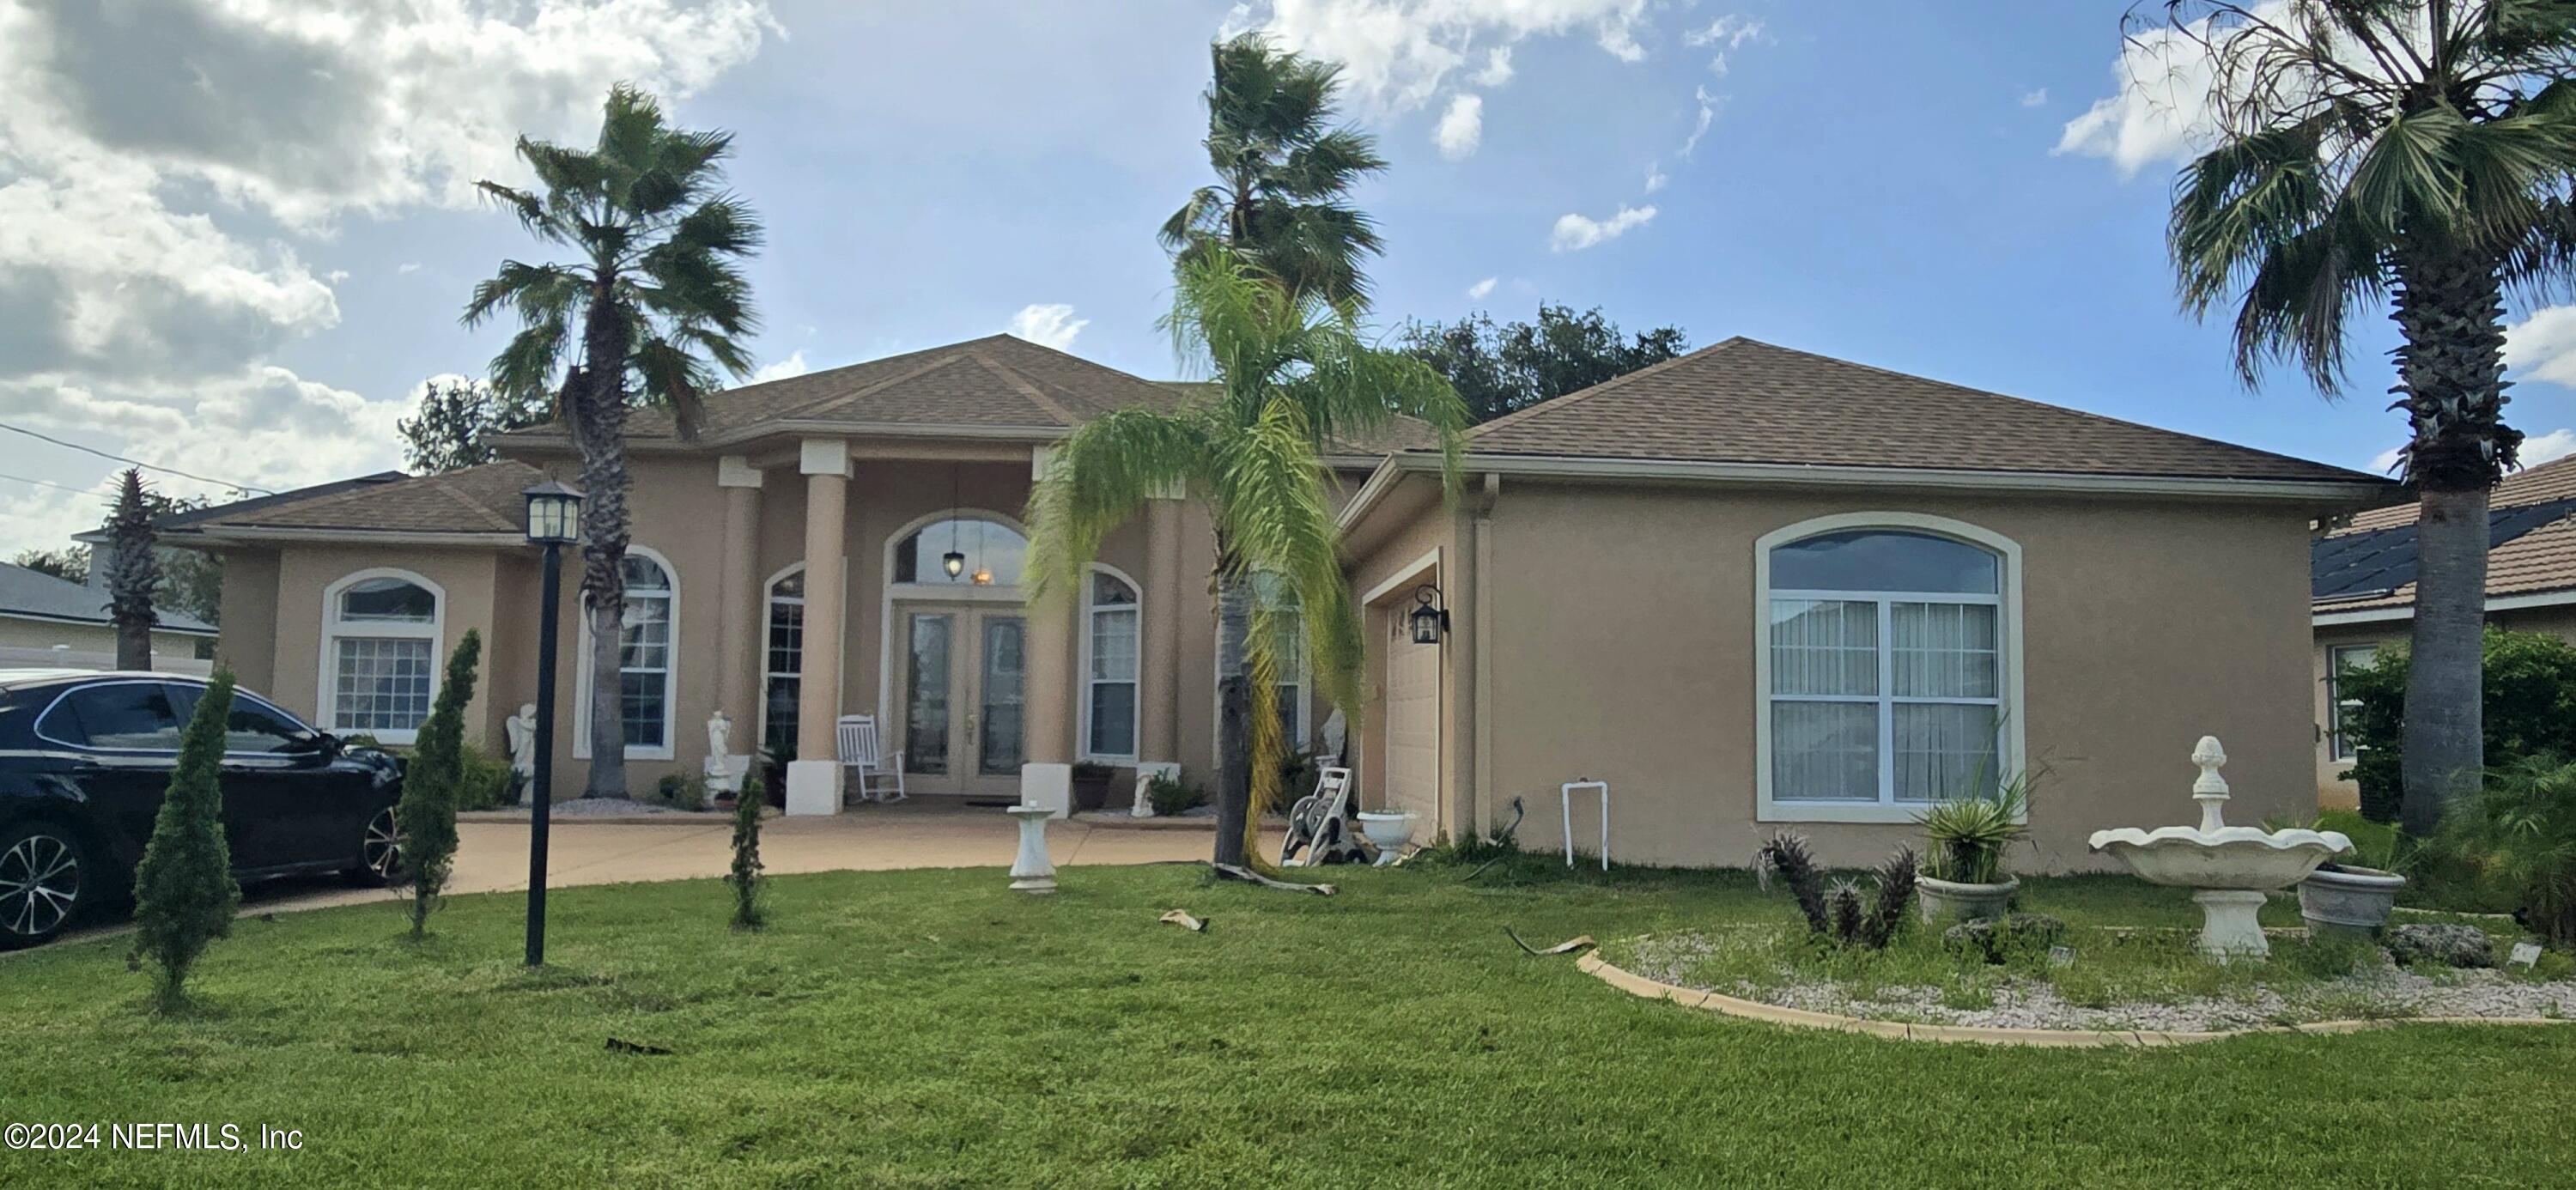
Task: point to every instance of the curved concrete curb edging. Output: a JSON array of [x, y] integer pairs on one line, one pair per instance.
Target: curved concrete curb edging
[[1638, 985]]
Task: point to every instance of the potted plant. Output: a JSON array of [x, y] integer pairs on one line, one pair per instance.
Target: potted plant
[[1091, 781], [1964, 874], [2355, 896]]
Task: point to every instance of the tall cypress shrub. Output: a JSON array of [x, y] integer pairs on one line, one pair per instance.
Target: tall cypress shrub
[[431, 785], [748, 913], [184, 893]]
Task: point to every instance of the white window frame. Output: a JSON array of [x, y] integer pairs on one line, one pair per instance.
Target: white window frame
[[2338, 748], [326, 690], [2008, 666], [1091, 612], [670, 675], [768, 623]]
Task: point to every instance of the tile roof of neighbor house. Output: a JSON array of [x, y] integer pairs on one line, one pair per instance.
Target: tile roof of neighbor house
[[33, 594], [1744, 401], [482, 499], [2531, 545]]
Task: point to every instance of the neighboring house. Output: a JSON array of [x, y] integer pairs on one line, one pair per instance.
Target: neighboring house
[[47, 621], [2364, 591], [1750, 588]]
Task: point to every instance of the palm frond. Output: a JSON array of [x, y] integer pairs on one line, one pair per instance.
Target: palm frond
[[1097, 478]]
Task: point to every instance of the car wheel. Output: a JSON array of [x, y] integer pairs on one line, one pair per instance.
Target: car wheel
[[45, 876], [380, 850]]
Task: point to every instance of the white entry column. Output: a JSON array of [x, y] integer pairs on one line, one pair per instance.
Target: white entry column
[[814, 777]]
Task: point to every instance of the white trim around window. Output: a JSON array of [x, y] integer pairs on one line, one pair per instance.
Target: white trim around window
[[670, 645], [1090, 683], [2008, 673], [771, 652], [2339, 747], [1298, 708], [376, 636]]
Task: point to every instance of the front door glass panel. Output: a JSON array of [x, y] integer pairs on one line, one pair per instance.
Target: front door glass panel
[[926, 682], [998, 746]]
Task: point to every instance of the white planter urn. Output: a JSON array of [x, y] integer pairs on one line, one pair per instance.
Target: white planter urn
[[1390, 830], [1966, 902], [1032, 872]]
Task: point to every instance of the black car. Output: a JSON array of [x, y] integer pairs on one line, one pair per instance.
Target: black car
[[86, 757]]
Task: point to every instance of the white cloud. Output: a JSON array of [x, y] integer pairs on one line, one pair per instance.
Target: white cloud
[[1461, 127], [2034, 98], [1655, 177], [1478, 291], [2543, 448], [1573, 233], [2160, 112], [2385, 462], [793, 365], [1708, 105], [407, 268], [163, 161], [1397, 55], [1727, 34], [1048, 325], [2543, 346]]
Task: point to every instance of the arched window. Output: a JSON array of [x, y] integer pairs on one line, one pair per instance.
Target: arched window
[[645, 655], [1111, 622], [1886, 654], [1294, 674], [989, 553], [380, 662], [785, 661]]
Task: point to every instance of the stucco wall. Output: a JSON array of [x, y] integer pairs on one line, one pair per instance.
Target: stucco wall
[[249, 642], [467, 579], [1623, 650], [2332, 788]]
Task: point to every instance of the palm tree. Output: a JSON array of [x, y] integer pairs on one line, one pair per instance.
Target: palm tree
[[656, 285], [133, 572], [1282, 171], [2416, 152], [1290, 369]]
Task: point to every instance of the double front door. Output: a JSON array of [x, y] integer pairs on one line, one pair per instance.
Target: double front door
[[960, 696]]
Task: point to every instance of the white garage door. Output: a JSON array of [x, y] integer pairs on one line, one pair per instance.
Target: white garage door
[[1413, 734]]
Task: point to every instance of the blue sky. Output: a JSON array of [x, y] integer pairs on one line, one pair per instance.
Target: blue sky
[[246, 269]]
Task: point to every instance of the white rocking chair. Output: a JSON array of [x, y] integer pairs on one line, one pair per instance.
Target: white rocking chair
[[861, 751]]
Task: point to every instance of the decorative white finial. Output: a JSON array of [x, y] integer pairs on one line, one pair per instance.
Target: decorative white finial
[[2210, 790]]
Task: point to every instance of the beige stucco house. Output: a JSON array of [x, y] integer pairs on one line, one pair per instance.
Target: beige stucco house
[[2363, 596], [1751, 588]]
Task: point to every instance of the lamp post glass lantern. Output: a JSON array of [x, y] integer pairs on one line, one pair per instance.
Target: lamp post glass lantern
[[1430, 621], [554, 521]]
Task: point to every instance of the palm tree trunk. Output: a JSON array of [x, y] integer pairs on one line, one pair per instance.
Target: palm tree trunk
[[599, 431], [1234, 708], [2450, 372]]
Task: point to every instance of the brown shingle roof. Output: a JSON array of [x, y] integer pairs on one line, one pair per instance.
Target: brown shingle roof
[[481, 499], [1401, 433], [1743, 401]]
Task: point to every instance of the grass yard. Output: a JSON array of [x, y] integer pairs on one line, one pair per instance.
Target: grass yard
[[932, 1029]]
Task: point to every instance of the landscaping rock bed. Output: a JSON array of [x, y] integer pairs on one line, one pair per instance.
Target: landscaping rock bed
[[2376, 990], [602, 807]]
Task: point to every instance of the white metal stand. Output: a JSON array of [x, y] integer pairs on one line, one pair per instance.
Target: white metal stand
[[1565, 804], [1032, 872]]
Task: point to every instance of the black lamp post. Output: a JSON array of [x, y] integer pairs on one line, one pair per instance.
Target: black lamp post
[[1430, 621], [554, 521]]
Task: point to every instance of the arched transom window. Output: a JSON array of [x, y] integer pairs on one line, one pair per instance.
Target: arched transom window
[[1886, 659], [987, 553], [380, 654], [1112, 624]]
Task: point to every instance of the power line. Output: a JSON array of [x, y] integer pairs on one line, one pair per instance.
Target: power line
[[47, 483], [239, 487]]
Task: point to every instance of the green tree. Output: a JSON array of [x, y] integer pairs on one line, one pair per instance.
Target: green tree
[[1500, 367], [133, 573], [184, 892], [457, 419], [744, 878], [1283, 173], [432, 785], [2412, 153], [2527, 688], [656, 286], [1289, 369], [70, 565]]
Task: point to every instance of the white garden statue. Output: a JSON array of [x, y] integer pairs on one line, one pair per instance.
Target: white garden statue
[[724, 775], [520, 731]]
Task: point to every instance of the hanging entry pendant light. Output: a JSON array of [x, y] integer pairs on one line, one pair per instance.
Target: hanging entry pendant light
[[953, 562]]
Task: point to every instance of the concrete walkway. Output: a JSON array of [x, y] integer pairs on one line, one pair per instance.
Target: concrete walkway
[[493, 856]]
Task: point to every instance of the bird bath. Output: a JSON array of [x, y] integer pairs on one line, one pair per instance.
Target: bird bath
[[2228, 867]]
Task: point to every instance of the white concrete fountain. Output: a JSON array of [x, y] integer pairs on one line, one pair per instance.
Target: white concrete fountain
[[2229, 867]]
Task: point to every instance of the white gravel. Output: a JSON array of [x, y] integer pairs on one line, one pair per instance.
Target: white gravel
[[595, 807], [2021, 1003]]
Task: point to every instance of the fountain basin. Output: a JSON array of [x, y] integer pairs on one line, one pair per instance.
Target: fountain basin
[[2236, 857]]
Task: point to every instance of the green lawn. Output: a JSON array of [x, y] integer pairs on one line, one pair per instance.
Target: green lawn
[[930, 1028]]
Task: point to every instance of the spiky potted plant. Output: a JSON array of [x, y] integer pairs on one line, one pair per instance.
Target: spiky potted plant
[[1964, 870]]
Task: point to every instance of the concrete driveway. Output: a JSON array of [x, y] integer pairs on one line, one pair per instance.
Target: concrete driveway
[[493, 856]]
